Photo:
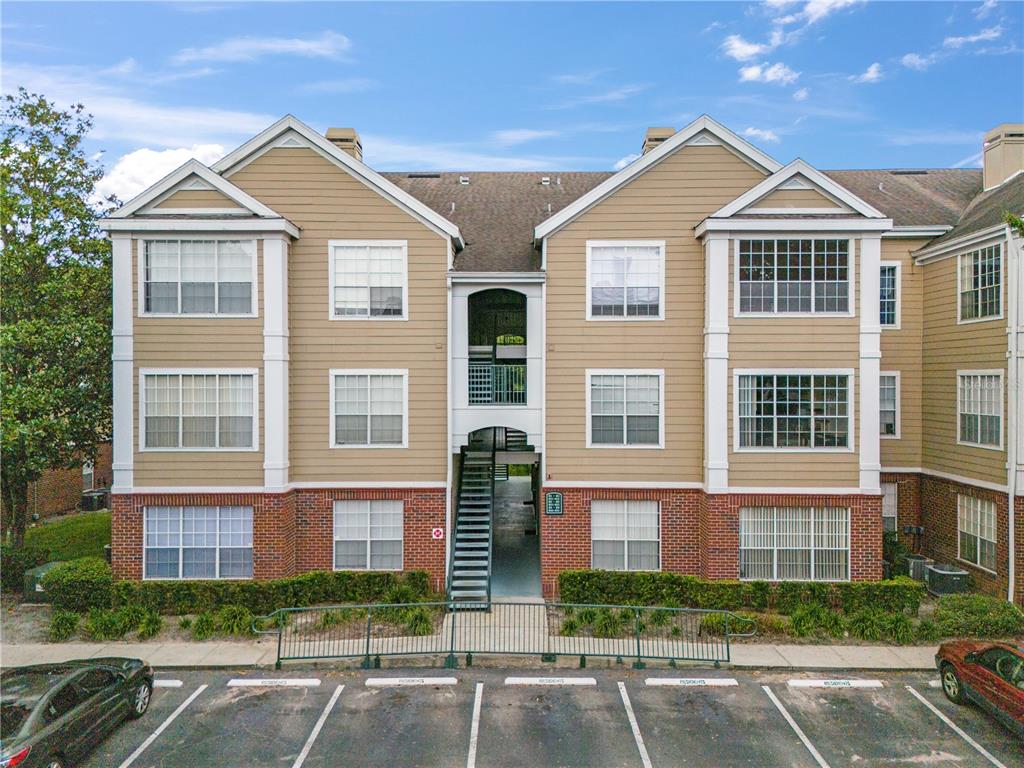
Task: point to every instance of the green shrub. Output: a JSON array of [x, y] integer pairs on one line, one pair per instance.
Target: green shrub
[[768, 623], [63, 625], [587, 616], [569, 627], [234, 620], [185, 623], [132, 616], [204, 626], [104, 624], [927, 631], [79, 585], [812, 620], [333, 618], [418, 621], [898, 628], [866, 624], [659, 618], [899, 595], [14, 561], [607, 623], [713, 624], [150, 625], [978, 616]]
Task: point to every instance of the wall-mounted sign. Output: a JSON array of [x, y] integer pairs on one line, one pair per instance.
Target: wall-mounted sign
[[553, 503], [437, 534]]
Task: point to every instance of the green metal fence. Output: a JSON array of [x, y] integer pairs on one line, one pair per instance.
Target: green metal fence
[[548, 630]]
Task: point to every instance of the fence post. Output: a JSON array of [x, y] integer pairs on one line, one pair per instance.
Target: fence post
[[369, 627], [451, 662], [280, 631], [638, 664]]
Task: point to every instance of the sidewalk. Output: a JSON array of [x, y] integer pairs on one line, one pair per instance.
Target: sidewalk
[[263, 653]]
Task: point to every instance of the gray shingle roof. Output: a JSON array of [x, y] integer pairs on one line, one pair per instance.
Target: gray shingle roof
[[916, 197], [988, 209]]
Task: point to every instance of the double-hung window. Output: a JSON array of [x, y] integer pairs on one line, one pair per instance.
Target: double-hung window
[[980, 285], [368, 408], [980, 408], [794, 276], [793, 410], [889, 405], [198, 277], [198, 410], [368, 279], [795, 543], [976, 528], [624, 408], [368, 535], [890, 506], [198, 542], [889, 294], [625, 535], [625, 279]]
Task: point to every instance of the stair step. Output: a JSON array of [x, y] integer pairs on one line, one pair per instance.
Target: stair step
[[470, 564], [463, 545], [470, 536], [471, 527], [462, 594], [468, 584], [467, 572]]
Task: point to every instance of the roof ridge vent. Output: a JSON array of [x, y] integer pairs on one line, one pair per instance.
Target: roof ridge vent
[[423, 175], [910, 172]]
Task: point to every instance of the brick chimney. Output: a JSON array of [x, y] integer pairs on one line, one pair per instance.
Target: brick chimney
[[346, 139], [1003, 153], [655, 136]]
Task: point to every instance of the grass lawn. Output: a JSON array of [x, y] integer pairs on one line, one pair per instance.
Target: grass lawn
[[82, 535]]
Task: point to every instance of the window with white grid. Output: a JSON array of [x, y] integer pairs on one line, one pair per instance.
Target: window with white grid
[[890, 506], [368, 409], [197, 542], [889, 405], [795, 543], [794, 276], [626, 279], [198, 277], [198, 410], [976, 527], [981, 277], [368, 535], [625, 535], [368, 279], [793, 410], [980, 409], [625, 409], [888, 296]]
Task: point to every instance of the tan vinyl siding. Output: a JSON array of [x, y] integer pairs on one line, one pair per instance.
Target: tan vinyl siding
[[664, 203], [949, 347], [901, 351], [825, 342], [209, 342], [197, 198], [796, 198], [329, 204]]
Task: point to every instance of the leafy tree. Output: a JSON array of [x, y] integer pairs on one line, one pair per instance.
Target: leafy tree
[[1016, 223], [55, 303]]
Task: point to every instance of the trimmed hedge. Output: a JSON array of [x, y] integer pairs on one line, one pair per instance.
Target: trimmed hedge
[[899, 595], [978, 616], [79, 585], [14, 561]]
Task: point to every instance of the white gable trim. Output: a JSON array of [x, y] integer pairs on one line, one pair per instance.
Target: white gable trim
[[193, 167], [816, 177], [702, 124], [289, 131]]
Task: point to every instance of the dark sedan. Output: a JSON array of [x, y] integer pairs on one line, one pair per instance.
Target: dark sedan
[[990, 675], [51, 715]]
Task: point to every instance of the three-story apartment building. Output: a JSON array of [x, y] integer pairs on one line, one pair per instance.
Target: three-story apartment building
[[711, 362]]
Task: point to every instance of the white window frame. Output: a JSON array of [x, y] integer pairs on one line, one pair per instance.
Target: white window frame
[[894, 326], [140, 266], [851, 401], [660, 373], [660, 244], [899, 399], [852, 269], [775, 548], [896, 510], [995, 527], [998, 372], [181, 547], [403, 372], [88, 470], [625, 539], [334, 536], [1002, 283], [402, 244], [144, 372]]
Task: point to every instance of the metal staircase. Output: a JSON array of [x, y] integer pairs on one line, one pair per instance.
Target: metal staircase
[[469, 577]]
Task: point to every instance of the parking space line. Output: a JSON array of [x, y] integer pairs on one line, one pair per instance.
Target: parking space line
[[167, 683], [934, 683], [644, 757], [692, 682], [474, 731], [550, 681], [835, 683], [957, 729], [796, 728], [162, 727], [276, 682], [387, 682], [316, 728]]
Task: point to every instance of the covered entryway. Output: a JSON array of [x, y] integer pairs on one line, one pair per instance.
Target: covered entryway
[[516, 539]]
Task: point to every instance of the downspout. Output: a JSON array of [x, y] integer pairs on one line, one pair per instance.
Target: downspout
[[1013, 361], [449, 544]]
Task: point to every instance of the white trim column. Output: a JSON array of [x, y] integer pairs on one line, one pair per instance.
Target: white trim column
[[123, 362], [870, 362], [716, 362], [275, 363]]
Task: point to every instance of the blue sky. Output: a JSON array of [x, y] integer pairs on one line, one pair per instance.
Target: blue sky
[[493, 86]]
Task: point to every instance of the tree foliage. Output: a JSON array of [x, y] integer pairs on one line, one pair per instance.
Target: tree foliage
[[55, 304]]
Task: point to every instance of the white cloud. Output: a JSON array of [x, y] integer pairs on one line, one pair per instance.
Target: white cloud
[[971, 161], [735, 47], [578, 78], [802, 94], [623, 162], [984, 9], [992, 33], [917, 61], [329, 45], [610, 96], [512, 136], [761, 133], [137, 170], [870, 75], [765, 73], [346, 85]]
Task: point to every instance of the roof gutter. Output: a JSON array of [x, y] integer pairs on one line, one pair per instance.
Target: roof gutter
[[933, 252], [928, 231], [1013, 354]]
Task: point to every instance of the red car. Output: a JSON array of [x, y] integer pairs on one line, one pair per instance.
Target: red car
[[989, 674]]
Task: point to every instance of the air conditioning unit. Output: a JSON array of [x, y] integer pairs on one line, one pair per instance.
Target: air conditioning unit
[[946, 579], [917, 566], [93, 501]]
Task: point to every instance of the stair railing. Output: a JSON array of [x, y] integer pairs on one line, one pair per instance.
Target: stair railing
[[455, 520], [490, 528]]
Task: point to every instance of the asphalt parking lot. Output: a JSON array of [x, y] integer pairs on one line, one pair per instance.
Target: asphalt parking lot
[[484, 718]]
